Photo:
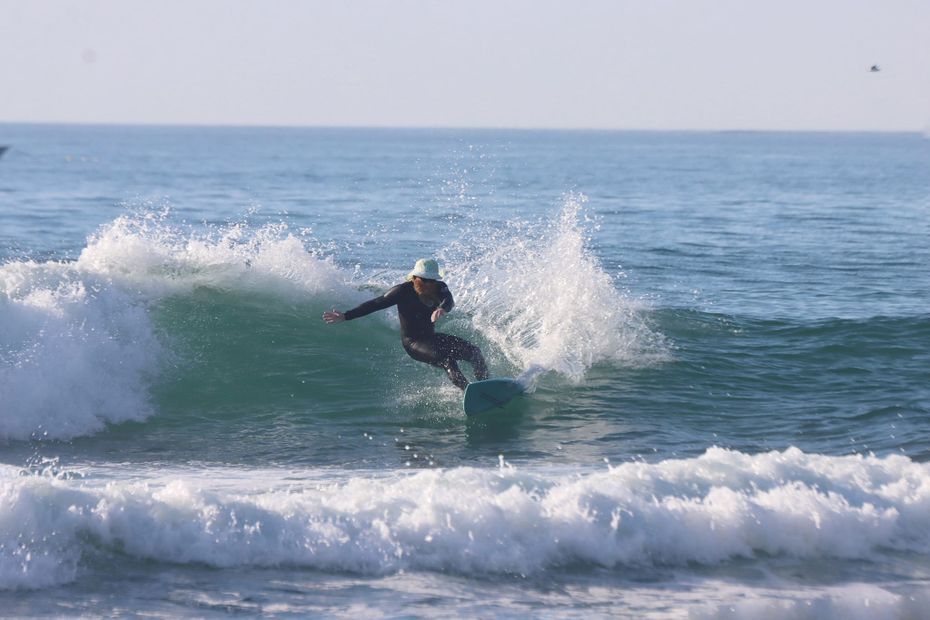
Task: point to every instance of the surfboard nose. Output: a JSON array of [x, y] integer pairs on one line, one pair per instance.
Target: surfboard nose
[[481, 396]]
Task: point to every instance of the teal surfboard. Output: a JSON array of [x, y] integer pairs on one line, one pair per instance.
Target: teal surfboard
[[481, 396]]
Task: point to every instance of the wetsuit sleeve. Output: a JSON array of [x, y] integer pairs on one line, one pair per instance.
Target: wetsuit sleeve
[[373, 305], [447, 302]]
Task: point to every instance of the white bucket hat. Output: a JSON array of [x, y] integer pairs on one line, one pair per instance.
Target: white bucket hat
[[426, 268]]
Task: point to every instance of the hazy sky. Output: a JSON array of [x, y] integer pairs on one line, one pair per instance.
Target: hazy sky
[[643, 64]]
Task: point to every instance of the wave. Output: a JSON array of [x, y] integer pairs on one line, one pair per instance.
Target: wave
[[79, 341], [151, 310], [866, 357], [708, 510]]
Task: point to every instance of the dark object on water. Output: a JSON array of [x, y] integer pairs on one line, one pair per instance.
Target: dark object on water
[[3, 150], [875, 69]]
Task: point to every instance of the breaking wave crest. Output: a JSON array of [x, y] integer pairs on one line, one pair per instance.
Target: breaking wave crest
[[707, 510]]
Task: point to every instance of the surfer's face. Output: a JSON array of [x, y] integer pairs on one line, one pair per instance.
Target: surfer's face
[[428, 290], [425, 287]]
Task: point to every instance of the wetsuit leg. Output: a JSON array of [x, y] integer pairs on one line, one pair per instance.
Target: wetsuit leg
[[444, 351], [460, 349], [429, 351]]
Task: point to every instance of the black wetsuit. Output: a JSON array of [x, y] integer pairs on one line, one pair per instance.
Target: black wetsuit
[[418, 335]]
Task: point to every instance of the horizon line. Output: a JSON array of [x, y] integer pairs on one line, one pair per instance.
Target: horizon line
[[186, 125]]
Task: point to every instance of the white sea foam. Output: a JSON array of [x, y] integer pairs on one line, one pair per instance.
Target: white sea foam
[[75, 352], [709, 510], [858, 601], [77, 343], [148, 254], [540, 294]]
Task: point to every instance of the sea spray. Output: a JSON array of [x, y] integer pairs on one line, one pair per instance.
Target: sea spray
[[539, 293], [147, 252]]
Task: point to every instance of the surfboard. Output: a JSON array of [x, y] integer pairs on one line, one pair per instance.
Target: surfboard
[[481, 396]]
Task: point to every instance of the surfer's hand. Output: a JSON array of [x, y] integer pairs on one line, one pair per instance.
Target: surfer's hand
[[438, 313], [334, 317]]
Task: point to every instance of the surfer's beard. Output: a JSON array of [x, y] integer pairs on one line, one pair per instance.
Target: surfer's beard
[[427, 291]]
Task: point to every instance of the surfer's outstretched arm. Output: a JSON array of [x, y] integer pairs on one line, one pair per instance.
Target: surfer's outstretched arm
[[372, 305]]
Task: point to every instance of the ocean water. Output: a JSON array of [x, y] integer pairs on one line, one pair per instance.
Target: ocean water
[[727, 337]]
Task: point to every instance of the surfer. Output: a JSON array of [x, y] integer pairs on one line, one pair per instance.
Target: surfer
[[421, 301]]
